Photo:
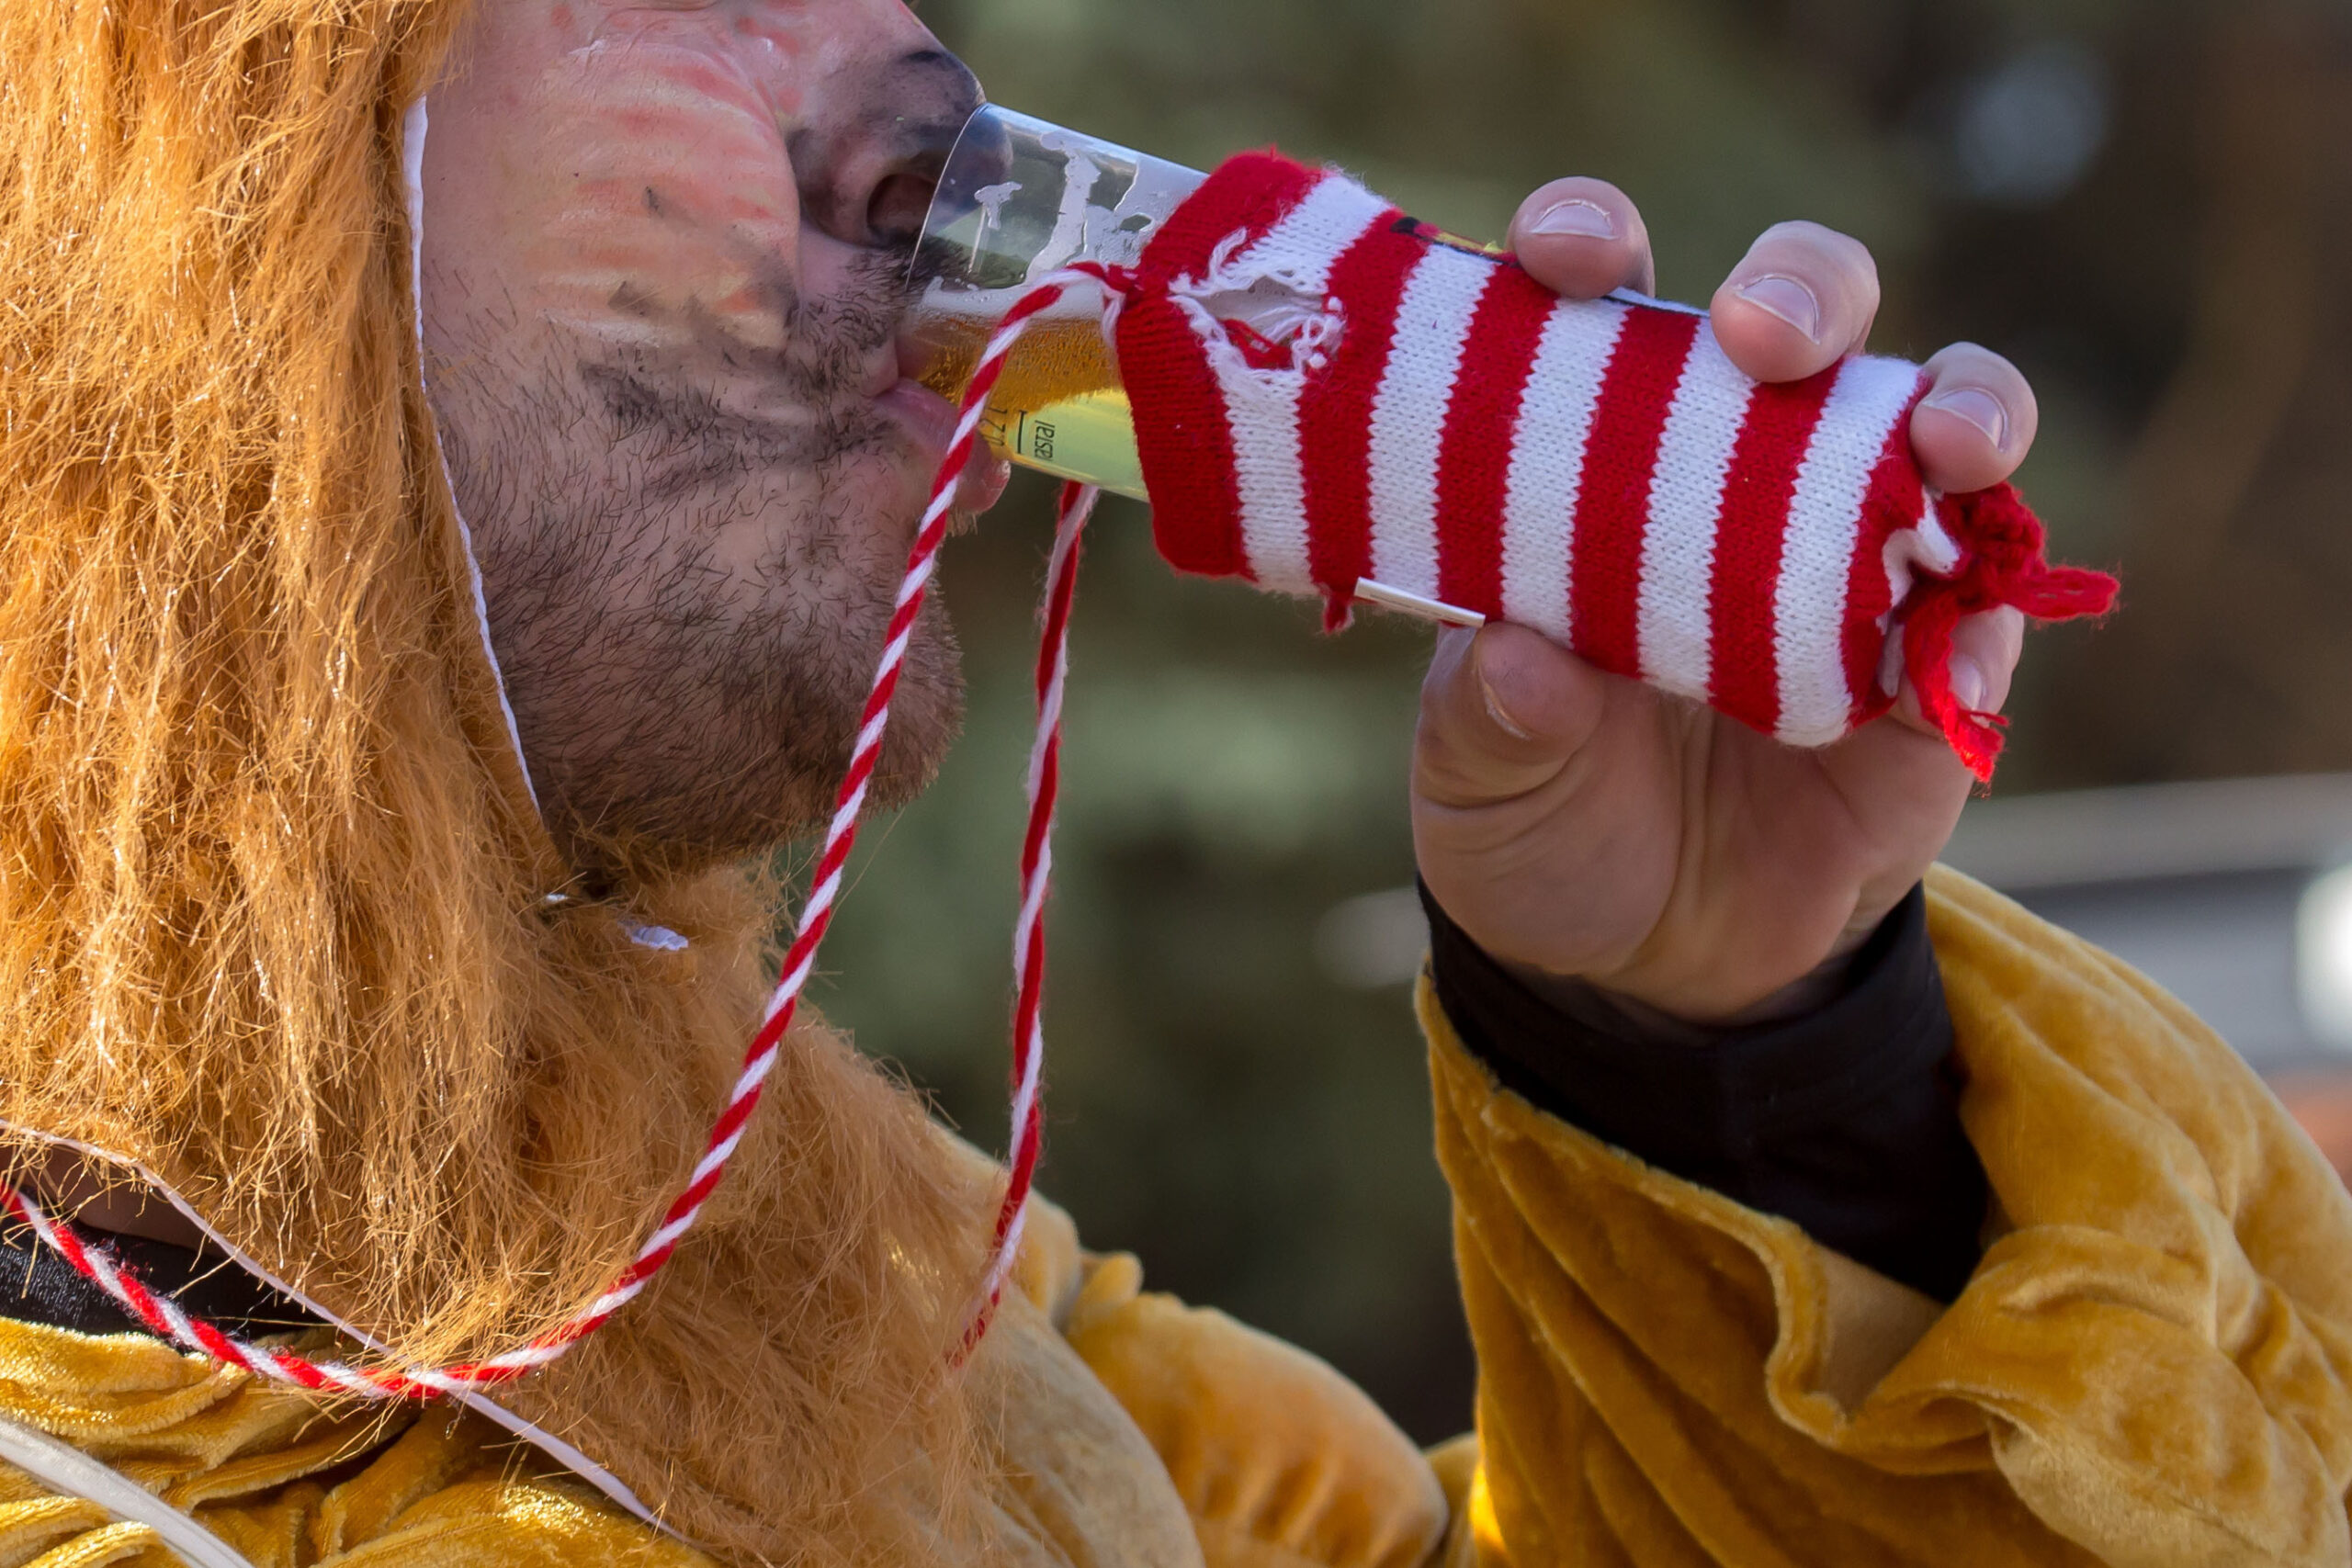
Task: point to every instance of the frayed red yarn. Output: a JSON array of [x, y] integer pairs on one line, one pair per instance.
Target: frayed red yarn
[[2002, 564]]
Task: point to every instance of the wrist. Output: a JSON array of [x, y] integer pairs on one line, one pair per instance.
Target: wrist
[[1703, 1006]]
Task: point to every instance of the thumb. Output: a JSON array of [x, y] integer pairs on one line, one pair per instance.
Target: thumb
[[1503, 711]]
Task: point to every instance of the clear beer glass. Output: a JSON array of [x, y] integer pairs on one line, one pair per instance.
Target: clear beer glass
[[1020, 199]]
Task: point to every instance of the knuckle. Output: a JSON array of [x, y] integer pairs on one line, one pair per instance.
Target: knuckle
[[1433, 756], [1970, 360], [1974, 363], [1852, 270], [1802, 237], [1853, 252], [1795, 230], [1438, 734], [2016, 388]]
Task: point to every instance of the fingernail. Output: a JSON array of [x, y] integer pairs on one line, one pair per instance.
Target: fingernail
[[1585, 219], [1967, 683], [1500, 714], [1790, 300], [1979, 407]]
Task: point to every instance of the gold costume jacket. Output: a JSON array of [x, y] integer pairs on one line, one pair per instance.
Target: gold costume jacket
[[2149, 1368]]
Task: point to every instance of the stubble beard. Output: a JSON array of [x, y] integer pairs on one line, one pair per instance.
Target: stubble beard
[[676, 711]]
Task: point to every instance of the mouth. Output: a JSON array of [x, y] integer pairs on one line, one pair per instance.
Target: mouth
[[930, 419]]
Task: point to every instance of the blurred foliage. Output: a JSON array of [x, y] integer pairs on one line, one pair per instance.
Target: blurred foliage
[[2138, 202]]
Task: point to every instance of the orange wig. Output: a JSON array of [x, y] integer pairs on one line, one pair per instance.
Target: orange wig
[[273, 917]]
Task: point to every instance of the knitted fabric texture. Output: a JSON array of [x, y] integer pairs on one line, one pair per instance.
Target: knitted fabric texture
[[1329, 393]]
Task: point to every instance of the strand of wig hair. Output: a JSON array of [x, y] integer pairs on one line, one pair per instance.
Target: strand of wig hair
[[168, 1320]]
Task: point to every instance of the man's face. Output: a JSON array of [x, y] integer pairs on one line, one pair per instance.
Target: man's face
[[665, 248]]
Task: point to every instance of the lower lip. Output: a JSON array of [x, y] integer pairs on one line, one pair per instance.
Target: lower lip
[[930, 417], [932, 420]]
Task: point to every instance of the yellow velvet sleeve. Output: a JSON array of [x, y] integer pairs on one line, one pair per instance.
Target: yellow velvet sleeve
[[1277, 1461], [2149, 1368], [1280, 1461], [288, 1482]]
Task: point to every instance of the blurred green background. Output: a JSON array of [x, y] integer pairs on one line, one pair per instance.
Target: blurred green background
[[2140, 203]]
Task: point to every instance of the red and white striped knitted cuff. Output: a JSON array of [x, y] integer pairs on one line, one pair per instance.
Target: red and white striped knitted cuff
[[1328, 394]]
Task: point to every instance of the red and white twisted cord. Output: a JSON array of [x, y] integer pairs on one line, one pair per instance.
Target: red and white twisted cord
[[1026, 1120], [168, 1320]]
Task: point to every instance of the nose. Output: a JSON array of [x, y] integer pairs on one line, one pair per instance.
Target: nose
[[867, 171]]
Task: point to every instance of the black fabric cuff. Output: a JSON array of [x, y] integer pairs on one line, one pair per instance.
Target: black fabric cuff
[[36, 1285], [1845, 1119]]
